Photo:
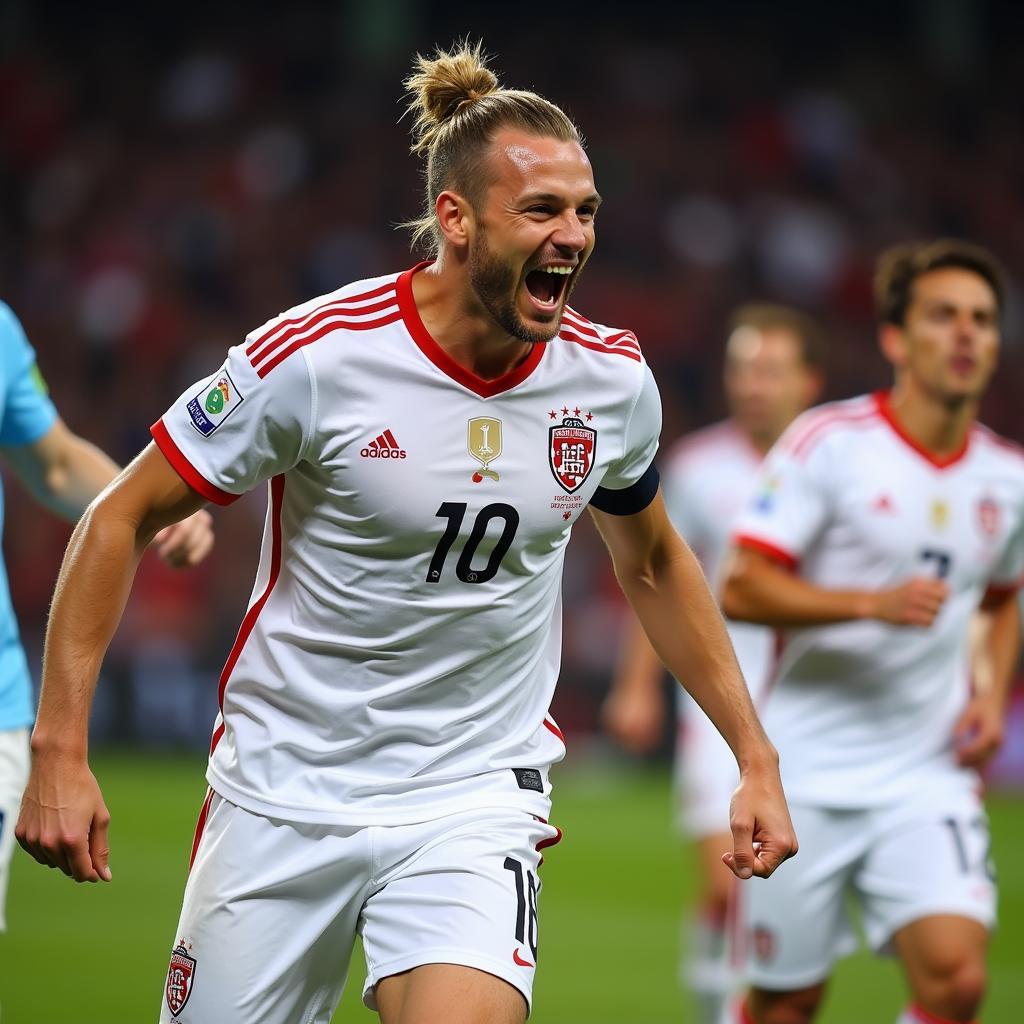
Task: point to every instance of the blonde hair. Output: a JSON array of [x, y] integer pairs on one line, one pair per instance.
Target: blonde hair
[[458, 106]]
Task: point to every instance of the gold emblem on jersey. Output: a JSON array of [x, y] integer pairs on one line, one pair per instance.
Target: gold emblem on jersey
[[484, 445], [939, 514]]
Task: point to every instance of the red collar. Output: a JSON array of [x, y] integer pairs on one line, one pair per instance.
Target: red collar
[[884, 405]]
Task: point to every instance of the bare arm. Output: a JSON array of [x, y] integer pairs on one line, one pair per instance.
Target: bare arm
[[758, 588], [63, 819], [634, 710], [995, 650], [65, 473], [666, 588]]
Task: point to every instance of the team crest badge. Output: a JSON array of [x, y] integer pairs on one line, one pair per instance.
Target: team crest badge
[[484, 445], [571, 450], [988, 516], [180, 976], [218, 399], [763, 940]]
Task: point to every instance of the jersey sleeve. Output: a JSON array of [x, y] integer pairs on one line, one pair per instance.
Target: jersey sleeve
[[27, 412], [789, 506], [238, 428], [1008, 573], [631, 482]]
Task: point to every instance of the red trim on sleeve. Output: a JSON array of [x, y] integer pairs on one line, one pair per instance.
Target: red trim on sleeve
[[996, 593], [444, 362], [179, 462], [778, 554]]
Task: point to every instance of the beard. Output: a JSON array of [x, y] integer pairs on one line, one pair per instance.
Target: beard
[[495, 285]]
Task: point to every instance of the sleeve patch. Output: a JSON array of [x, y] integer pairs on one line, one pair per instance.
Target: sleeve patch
[[214, 403], [628, 500]]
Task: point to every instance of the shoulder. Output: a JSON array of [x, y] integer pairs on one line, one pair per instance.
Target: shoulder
[[828, 422], [360, 306], [11, 331], [996, 447], [707, 445], [597, 341]]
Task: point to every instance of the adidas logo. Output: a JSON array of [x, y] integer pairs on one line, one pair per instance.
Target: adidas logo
[[384, 446]]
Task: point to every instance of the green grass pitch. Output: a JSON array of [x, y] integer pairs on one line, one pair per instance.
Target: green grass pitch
[[610, 910]]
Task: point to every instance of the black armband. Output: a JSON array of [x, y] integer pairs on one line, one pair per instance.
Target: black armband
[[629, 500]]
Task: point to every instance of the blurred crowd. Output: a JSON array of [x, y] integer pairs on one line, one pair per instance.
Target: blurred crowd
[[167, 188]]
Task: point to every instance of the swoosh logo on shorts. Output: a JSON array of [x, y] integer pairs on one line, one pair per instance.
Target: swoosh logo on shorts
[[517, 959]]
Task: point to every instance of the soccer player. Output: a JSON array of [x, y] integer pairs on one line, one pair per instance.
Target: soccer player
[[380, 762], [879, 526], [64, 473], [773, 371]]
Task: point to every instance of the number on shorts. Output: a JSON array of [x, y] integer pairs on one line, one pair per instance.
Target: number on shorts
[[526, 904], [984, 865]]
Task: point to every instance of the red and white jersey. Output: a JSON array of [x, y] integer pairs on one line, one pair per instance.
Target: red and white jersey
[[402, 643], [710, 475], [863, 712]]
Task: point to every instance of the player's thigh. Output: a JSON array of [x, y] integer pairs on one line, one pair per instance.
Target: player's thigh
[[795, 924], [14, 766], [267, 923], [943, 957], [930, 859], [468, 895], [717, 882], [448, 994]]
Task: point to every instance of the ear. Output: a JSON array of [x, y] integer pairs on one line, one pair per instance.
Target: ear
[[815, 384], [455, 218], [892, 340]]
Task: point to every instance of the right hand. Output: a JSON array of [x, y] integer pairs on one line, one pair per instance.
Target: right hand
[[636, 719], [914, 603], [64, 821]]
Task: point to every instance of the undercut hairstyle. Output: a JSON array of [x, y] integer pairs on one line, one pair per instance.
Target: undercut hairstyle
[[899, 267], [458, 107], [768, 317]]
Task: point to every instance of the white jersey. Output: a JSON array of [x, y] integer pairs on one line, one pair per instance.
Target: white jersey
[[863, 712], [710, 475], [402, 644]]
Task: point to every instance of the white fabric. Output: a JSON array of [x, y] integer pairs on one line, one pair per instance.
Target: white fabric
[[862, 712], [900, 863], [708, 478], [272, 908], [390, 670], [14, 768]]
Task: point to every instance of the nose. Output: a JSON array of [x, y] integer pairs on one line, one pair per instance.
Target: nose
[[570, 235]]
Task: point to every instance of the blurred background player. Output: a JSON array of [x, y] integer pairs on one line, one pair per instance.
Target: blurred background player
[[880, 525], [64, 473], [772, 372]]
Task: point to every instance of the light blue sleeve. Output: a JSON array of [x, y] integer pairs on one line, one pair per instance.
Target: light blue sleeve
[[26, 412]]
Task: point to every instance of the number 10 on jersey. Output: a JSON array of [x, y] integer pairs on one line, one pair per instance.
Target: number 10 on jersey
[[455, 513]]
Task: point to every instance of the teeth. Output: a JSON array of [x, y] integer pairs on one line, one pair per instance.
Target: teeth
[[565, 271]]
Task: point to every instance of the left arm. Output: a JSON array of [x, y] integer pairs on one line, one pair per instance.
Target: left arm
[[65, 473], [666, 587], [995, 643]]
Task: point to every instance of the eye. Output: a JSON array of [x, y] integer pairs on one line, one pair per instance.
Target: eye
[[542, 209], [587, 212]]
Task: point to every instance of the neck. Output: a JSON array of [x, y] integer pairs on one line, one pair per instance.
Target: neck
[[460, 325], [939, 427]]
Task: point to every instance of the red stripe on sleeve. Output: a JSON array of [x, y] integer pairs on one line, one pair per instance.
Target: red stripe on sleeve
[[179, 462], [766, 548]]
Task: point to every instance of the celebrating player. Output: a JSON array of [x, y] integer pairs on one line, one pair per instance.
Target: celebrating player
[[880, 525], [64, 473], [380, 761], [773, 363]]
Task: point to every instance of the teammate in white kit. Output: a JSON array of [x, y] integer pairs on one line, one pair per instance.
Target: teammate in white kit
[[880, 526], [380, 762], [773, 360]]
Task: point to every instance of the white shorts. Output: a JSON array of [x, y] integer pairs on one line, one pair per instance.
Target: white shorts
[[272, 908], [899, 863], [14, 765], [705, 772]]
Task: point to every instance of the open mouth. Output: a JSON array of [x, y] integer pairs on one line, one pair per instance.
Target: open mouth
[[547, 285]]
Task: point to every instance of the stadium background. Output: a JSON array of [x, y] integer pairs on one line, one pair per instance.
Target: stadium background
[[167, 184]]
